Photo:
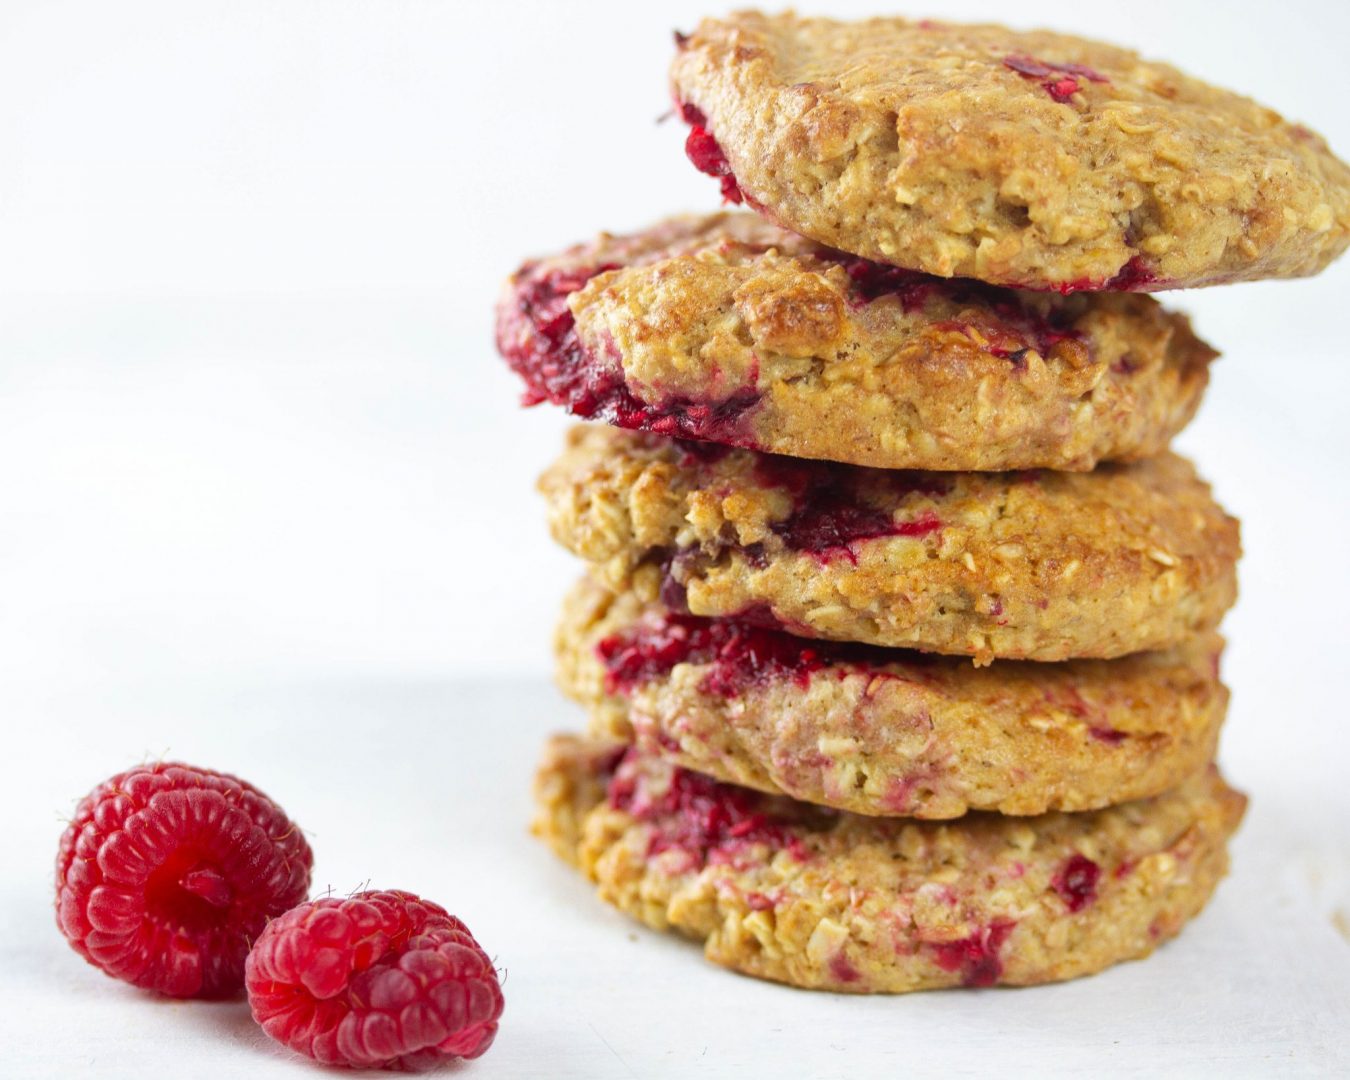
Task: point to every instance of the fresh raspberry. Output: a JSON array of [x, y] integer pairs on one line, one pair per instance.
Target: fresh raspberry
[[383, 980], [168, 873]]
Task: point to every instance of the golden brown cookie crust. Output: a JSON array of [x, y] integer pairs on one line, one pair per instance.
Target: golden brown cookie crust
[[1040, 566], [888, 732], [1035, 160], [780, 891], [727, 328]]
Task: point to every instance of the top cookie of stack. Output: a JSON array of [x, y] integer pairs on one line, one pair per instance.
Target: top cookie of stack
[[1033, 160]]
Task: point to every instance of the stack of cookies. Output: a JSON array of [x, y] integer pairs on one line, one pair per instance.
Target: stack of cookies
[[898, 637]]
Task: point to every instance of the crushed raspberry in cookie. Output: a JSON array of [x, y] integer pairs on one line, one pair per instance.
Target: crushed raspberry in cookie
[[741, 654], [709, 821], [843, 970], [383, 980], [829, 514], [635, 658], [168, 872], [873, 280], [1110, 736], [742, 651], [1060, 80], [828, 525], [807, 480], [1009, 327], [705, 153], [976, 957], [1076, 882], [537, 336], [1134, 276]]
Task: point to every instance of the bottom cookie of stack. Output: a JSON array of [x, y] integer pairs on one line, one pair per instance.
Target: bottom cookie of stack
[[825, 899]]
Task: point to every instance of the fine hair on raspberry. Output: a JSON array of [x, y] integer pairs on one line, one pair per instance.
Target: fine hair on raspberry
[[381, 979], [168, 873]]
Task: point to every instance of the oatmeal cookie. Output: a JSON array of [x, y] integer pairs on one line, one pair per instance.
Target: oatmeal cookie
[[827, 900], [1023, 566], [1034, 160], [729, 329], [888, 732]]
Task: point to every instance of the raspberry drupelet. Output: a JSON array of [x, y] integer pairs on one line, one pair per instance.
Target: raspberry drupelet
[[382, 979], [167, 873]]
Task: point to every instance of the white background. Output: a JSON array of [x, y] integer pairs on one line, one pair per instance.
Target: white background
[[266, 504]]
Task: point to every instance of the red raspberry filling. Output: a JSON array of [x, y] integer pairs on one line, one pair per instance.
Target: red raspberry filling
[[742, 654], [1076, 882], [711, 822], [637, 656], [829, 525], [1072, 701], [1109, 735], [976, 957], [536, 333], [873, 280], [830, 513], [706, 154], [832, 509], [1134, 276], [807, 480], [1012, 328], [1059, 80], [898, 797], [843, 970], [168, 873], [383, 980]]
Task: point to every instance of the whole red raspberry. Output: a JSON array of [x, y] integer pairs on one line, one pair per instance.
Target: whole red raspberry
[[383, 980], [168, 873]]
